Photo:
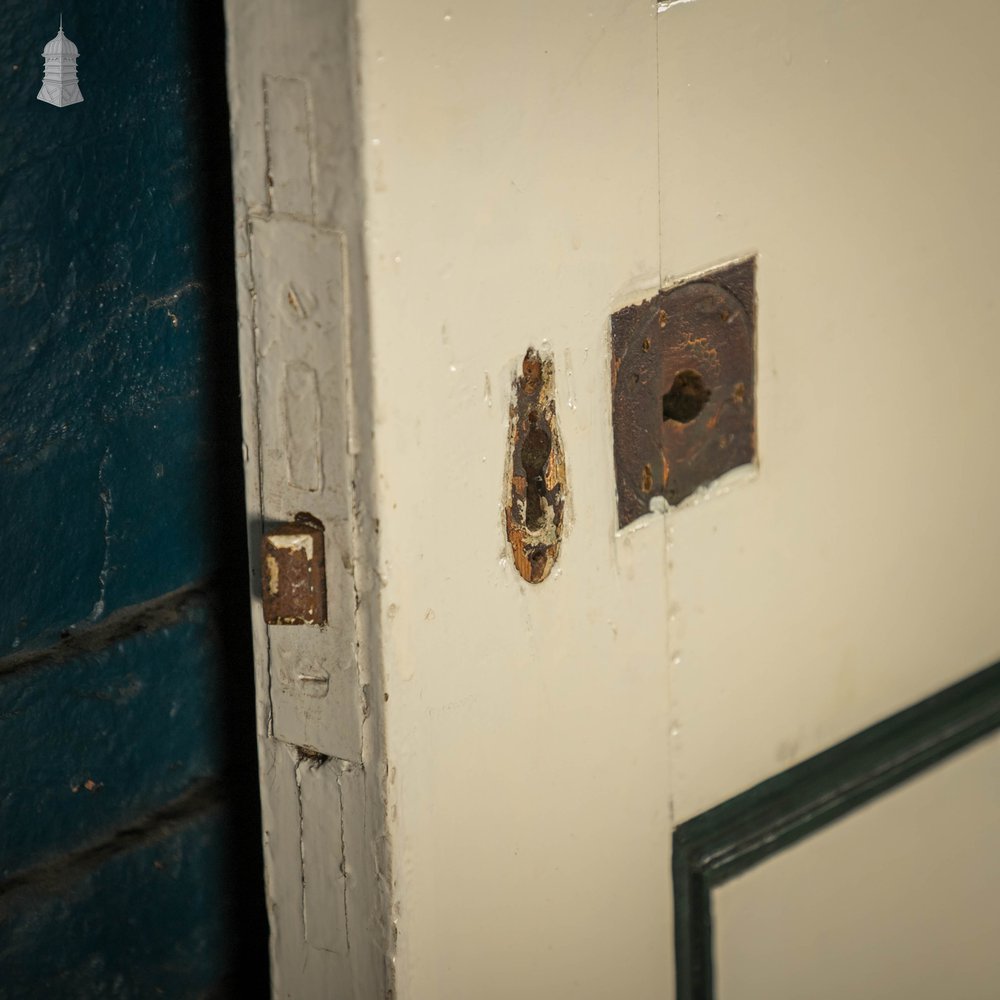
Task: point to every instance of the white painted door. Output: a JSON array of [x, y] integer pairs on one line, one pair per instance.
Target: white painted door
[[432, 190], [847, 145], [843, 144]]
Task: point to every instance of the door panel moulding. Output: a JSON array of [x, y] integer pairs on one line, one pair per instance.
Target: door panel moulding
[[306, 389], [736, 835]]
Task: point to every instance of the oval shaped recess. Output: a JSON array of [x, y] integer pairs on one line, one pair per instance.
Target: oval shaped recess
[[536, 471]]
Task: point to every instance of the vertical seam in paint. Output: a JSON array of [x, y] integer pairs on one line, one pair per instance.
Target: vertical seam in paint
[[302, 845], [255, 334], [671, 654], [267, 143], [310, 129], [368, 636], [659, 159], [668, 528], [343, 855], [353, 450], [348, 319]]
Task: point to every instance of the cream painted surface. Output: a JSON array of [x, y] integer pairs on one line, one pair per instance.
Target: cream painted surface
[[527, 168], [898, 901], [512, 201], [853, 147]]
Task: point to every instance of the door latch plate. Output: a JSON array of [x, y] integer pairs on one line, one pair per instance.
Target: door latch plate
[[682, 380], [294, 573]]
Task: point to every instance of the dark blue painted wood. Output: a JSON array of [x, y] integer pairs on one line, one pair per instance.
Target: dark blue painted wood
[[148, 922], [105, 461], [120, 481], [138, 720]]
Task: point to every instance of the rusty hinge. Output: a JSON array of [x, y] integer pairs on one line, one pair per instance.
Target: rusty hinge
[[293, 564]]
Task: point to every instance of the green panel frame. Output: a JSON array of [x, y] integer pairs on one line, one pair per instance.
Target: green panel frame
[[726, 841]]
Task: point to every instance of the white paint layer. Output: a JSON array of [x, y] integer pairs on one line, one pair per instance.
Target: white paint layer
[[512, 202], [845, 145], [526, 169]]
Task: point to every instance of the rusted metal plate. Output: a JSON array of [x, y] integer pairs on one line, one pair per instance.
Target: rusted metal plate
[[536, 471], [294, 573], [682, 381]]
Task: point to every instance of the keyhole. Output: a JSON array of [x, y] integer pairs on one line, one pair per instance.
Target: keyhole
[[687, 397], [534, 455]]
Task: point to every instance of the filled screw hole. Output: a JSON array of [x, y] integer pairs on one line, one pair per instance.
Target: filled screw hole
[[687, 397]]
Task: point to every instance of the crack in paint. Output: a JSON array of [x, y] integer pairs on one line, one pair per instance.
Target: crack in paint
[[148, 303], [306, 757], [343, 854], [106, 503], [300, 760], [255, 338], [57, 875], [146, 617]]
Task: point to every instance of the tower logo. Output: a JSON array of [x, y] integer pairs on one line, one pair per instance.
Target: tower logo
[[59, 85]]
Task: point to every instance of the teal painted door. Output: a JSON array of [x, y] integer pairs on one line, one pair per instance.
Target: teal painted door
[[129, 824]]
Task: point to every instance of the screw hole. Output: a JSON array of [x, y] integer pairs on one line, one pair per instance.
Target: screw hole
[[687, 397]]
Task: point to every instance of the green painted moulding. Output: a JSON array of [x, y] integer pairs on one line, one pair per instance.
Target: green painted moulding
[[736, 835]]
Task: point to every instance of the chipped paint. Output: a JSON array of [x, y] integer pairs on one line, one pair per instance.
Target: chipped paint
[[664, 5], [307, 414], [536, 471]]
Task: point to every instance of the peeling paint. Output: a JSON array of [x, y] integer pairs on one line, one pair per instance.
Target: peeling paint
[[664, 5], [303, 310], [536, 471]]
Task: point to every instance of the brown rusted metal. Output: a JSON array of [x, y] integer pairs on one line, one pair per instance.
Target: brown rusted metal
[[294, 573], [536, 471], [682, 381]]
